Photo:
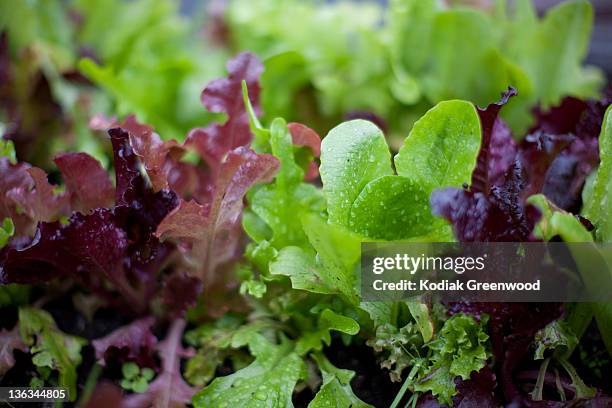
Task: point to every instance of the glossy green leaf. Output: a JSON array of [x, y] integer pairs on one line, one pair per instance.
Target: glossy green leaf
[[338, 254], [301, 267], [392, 208], [336, 388], [598, 209], [353, 154], [266, 382], [555, 222], [442, 147]]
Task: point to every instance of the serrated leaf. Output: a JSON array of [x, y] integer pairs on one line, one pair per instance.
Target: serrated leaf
[[336, 389], [557, 335], [328, 321], [268, 381], [300, 266], [459, 350], [338, 253]]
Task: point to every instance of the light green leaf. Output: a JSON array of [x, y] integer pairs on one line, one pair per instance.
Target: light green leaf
[[338, 254], [380, 312], [553, 52], [392, 208], [598, 208], [300, 266], [336, 388], [352, 154], [280, 203], [328, 320], [7, 229], [420, 313], [557, 222], [267, 382], [7, 148], [442, 147], [557, 335], [50, 347], [459, 350]]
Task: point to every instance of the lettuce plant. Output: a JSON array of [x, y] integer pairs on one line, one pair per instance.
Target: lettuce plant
[[400, 60]]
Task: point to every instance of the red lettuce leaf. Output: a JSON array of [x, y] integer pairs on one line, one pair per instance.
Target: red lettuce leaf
[[168, 389], [499, 216], [133, 342], [10, 340], [537, 152], [567, 173], [86, 181], [213, 229], [497, 147], [14, 177], [224, 95], [302, 135], [109, 246]]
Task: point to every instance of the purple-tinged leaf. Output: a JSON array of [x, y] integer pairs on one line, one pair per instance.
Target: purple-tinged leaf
[[500, 216], [224, 95], [536, 154], [213, 229], [106, 394], [216, 225], [86, 181], [10, 340], [302, 135], [111, 250], [14, 177], [567, 173], [477, 392], [129, 180], [37, 199], [168, 389], [189, 289], [133, 342], [497, 149]]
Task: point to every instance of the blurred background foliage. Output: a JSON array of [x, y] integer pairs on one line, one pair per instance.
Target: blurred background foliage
[[66, 60]]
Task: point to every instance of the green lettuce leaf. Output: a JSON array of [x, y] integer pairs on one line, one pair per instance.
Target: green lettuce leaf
[[50, 347], [459, 350], [353, 154], [442, 147], [267, 381], [336, 388]]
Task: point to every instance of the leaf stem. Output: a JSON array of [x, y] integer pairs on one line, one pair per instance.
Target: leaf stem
[[536, 394]]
